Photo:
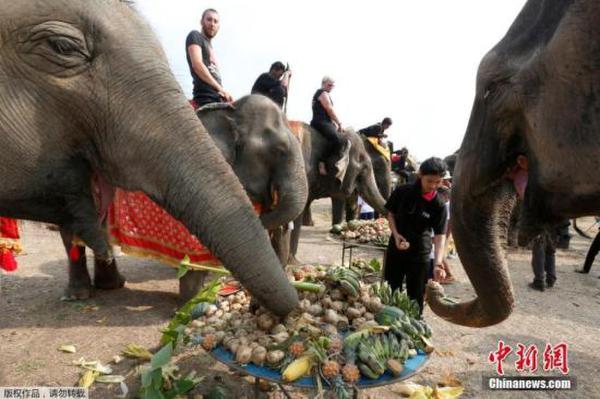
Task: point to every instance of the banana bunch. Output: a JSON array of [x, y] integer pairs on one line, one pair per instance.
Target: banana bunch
[[380, 352], [347, 278], [401, 300], [381, 241], [414, 332], [382, 290], [371, 358]]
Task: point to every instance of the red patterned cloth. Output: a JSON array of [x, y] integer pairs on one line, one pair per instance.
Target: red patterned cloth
[[142, 228], [9, 243]]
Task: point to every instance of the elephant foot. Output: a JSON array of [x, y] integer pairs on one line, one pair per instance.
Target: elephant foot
[[78, 290], [107, 276], [190, 284], [293, 261]]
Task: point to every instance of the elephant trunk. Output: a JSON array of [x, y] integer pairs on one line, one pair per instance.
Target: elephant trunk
[[291, 187], [370, 193], [183, 171], [480, 214]]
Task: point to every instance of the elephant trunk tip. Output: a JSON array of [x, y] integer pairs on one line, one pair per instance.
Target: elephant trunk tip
[[470, 314]]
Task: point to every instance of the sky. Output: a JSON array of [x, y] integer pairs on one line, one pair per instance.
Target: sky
[[414, 61]]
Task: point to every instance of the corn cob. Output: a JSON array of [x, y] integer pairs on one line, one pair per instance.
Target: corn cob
[[298, 368]]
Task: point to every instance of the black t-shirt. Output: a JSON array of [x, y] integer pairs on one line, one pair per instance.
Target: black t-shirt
[[319, 112], [268, 86], [372, 131], [415, 219], [203, 92]]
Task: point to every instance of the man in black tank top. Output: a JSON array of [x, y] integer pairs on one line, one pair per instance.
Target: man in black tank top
[[326, 122]]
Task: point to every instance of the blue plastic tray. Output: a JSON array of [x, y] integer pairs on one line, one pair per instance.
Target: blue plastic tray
[[411, 366]]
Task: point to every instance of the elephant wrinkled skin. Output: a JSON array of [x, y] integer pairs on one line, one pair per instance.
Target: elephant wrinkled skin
[[359, 176], [534, 129], [86, 88]]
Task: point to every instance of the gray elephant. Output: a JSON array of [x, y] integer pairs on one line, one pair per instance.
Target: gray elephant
[[86, 89], [534, 131], [359, 176], [383, 179], [267, 158]]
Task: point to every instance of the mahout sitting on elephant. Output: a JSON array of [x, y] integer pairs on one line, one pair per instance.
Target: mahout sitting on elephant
[[358, 176]]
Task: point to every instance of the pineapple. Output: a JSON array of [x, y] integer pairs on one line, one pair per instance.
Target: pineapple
[[299, 275], [351, 373], [335, 345], [296, 349], [209, 342], [330, 369]]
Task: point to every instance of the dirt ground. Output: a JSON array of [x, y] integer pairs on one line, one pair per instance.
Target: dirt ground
[[34, 322]]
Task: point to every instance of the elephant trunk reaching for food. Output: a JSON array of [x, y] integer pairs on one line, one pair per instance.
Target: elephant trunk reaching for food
[[533, 132], [91, 91]]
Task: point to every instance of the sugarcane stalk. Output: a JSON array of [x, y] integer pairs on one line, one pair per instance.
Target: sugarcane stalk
[[299, 285]]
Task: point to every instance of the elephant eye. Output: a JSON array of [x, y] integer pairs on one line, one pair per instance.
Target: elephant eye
[[63, 46]]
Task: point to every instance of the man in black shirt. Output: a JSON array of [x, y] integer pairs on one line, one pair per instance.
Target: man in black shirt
[[414, 211], [326, 122], [203, 63], [378, 129], [273, 84]]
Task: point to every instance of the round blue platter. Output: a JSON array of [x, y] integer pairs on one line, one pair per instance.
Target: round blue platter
[[411, 367]]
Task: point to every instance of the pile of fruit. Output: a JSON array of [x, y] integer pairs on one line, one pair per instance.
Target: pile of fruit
[[343, 329], [376, 232]]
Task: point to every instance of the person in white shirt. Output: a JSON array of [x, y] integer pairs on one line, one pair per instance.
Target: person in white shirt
[[365, 210]]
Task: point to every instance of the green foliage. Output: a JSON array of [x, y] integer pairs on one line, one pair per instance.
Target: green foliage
[[160, 379], [173, 332], [375, 265]]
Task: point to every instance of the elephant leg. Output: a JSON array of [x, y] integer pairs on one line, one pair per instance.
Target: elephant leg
[[106, 274], [351, 204], [280, 240], [294, 241], [79, 286], [190, 284], [307, 219], [337, 210]]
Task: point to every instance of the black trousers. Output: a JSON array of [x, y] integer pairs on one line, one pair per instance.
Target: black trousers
[[400, 267], [543, 259], [328, 130], [592, 252]]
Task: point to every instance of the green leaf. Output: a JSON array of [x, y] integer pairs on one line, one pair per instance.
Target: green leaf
[[182, 271], [183, 315], [375, 265], [162, 357], [182, 386], [149, 376], [151, 393]]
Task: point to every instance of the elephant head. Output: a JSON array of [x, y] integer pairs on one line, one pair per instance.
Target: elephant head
[[86, 87], [381, 170], [534, 130], [360, 175], [264, 154]]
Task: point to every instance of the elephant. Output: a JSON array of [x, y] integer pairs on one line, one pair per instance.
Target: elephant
[[87, 91], [359, 176], [534, 132], [267, 158], [383, 179]]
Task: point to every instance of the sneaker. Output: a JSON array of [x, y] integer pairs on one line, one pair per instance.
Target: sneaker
[[536, 285]]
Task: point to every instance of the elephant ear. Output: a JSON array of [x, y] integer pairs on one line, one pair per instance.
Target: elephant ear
[[222, 127]]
